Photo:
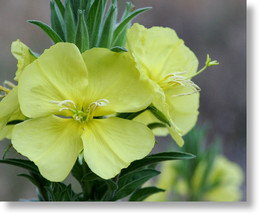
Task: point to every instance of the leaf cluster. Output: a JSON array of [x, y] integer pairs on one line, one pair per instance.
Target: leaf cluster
[[127, 184], [89, 23]]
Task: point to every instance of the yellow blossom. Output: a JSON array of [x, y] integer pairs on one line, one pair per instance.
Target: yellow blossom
[[69, 97], [9, 105], [164, 58]]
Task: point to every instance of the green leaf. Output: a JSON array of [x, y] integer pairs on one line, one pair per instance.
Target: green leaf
[[156, 125], [122, 37], [90, 176], [156, 158], [57, 21], [133, 180], [70, 23], [121, 50], [104, 190], [83, 4], [48, 30], [60, 7], [31, 179], [94, 21], [75, 5], [108, 27], [142, 194], [129, 116], [121, 27], [158, 114], [82, 36], [26, 164], [61, 192]]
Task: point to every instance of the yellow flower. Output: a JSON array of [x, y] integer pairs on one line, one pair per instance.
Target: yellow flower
[[21, 52], [164, 58], [9, 105], [69, 95]]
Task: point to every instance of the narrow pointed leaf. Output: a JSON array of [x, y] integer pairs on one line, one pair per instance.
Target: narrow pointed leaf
[[48, 30], [159, 115], [26, 164], [143, 193], [82, 36], [70, 23], [83, 4], [75, 5], [121, 27], [156, 158], [108, 27], [94, 21], [60, 7], [130, 182], [57, 21]]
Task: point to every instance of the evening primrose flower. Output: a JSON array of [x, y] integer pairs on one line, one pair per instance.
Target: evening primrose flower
[[69, 97], [9, 105], [164, 58]]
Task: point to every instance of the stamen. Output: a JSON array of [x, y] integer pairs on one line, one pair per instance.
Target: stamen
[[79, 114], [9, 84], [64, 103], [5, 90], [92, 107]]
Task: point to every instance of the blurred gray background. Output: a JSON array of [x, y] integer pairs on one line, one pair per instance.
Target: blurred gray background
[[206, 26]]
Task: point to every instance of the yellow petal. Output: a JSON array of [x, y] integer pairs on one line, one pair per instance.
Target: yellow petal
[[160, 52], [113, 143], [114, 76], [183, 109], [52, 143], [58, 74], [6, 132], [8, 105], [160, 103], [21, 52]]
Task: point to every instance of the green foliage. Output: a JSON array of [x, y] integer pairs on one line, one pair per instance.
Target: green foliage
[[123, 25], [48, 30], [143, 193], [82, 36], [47, 191], [156, 158], [88, 23], [128, 183]]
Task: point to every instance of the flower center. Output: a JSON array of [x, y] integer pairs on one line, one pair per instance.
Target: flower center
[[177, 80], [80, 115]]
